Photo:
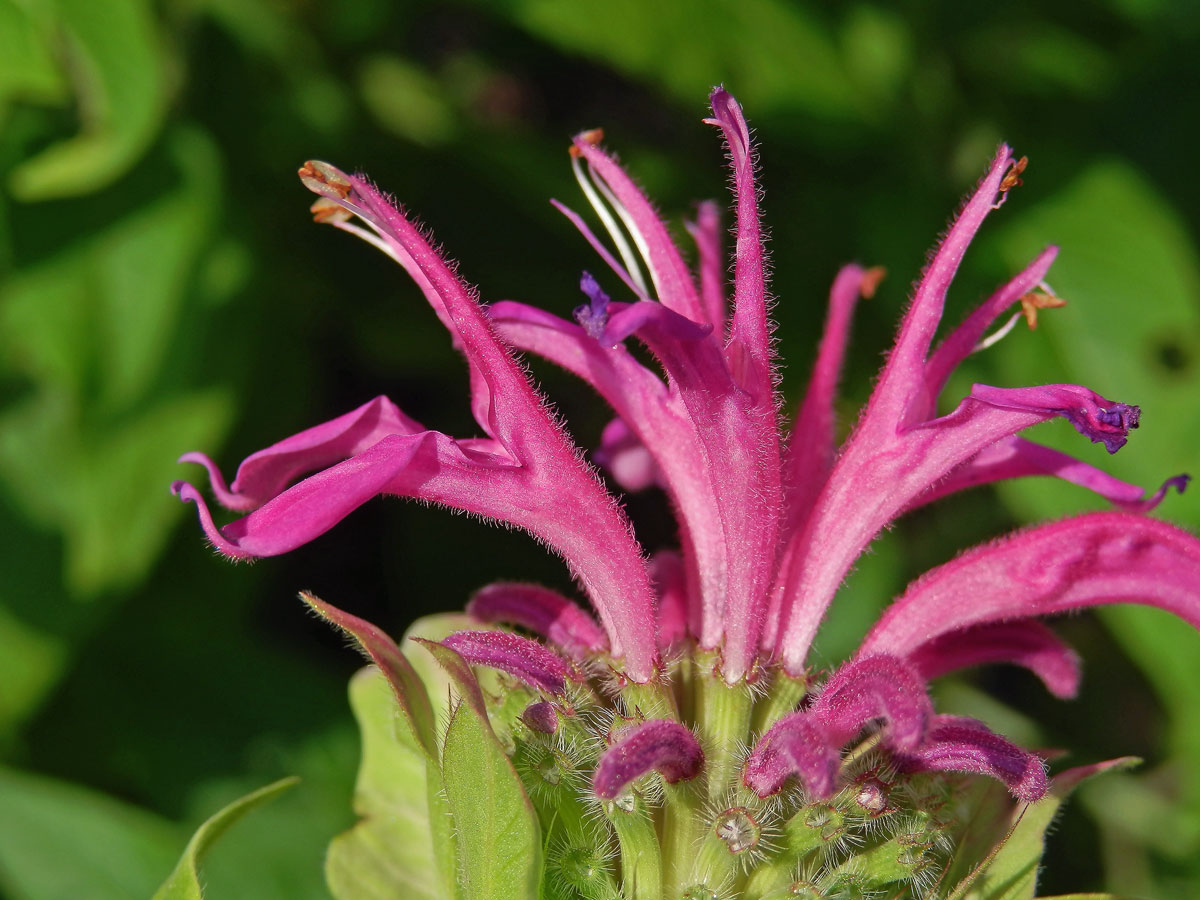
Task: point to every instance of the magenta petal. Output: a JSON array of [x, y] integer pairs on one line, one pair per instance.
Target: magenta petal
[[267, 472], [660, 745], [1022, 642], [1015, 457], [706, 232], [553, 493], [881, 473], [1101, 421], [543, 612], [749, 348], [666, 571], [518, 656], [874, 687], [795, 745], [811, 445], [964, 745], [316, 504], [1090, 560], [628, 318], [902, 381]]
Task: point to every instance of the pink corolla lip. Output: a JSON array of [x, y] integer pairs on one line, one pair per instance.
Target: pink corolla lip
[[657, 745], [768, 526]]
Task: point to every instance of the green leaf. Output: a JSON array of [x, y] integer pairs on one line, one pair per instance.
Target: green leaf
[[27, 68], [184, 882], [113, 55], [498, 838], [58, 840], [91, 440], [1011, 873], [390, 853]]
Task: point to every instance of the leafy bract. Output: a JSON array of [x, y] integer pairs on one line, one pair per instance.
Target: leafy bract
[[184, 882], [390, 852]]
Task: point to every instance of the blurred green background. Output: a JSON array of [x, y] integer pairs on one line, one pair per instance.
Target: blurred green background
[[162, 289]]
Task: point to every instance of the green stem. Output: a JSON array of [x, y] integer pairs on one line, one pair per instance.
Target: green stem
[[785, 695], [723, 716], [641, 861]]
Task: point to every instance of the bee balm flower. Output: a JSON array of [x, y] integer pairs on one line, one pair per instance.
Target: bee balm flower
[[655, 745]]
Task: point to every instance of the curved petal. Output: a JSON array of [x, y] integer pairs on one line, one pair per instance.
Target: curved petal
[[1015, 457], [795, 745], [658, 745], [879, 475], [872, 687], [543, 612], [1090, 560], [519, 656], [1022, 642], [812, 443], [958, 744], [265, 473], [749, 347], [902, 380], [706, 232]]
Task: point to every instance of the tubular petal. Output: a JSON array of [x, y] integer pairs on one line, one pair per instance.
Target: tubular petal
[[518, 656], [600, 548], [543, 612], [660, 745], [959, 744], [811, 446], [902, 380], [265, 473], [706, 232], [874, 687], [1022, 642], [1100, 421], [749, 348], [1016, 457], [795, 745], [879, 475], [1090, 560]]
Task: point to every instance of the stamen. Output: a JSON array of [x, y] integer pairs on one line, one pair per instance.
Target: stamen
[[998, 335], [627, 220], [592, 316], [610, 225], [1039, 299], [1012, 179]]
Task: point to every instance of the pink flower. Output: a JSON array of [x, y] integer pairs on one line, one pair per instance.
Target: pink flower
[[770, 521]]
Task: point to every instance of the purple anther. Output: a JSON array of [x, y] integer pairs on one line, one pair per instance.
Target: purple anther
[[660, 745], [1120, 415], [593, 316]]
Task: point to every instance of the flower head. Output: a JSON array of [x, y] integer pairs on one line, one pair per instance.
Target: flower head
[[701, 651]]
